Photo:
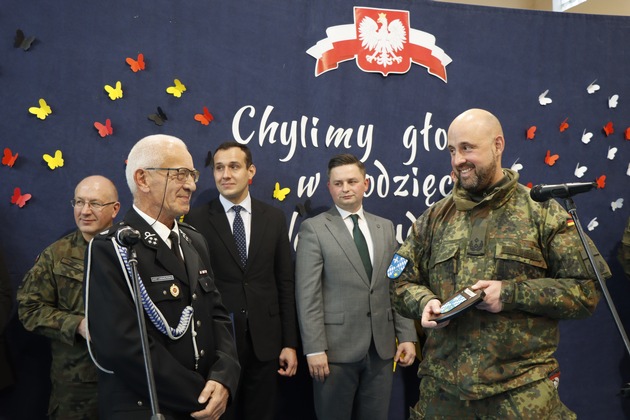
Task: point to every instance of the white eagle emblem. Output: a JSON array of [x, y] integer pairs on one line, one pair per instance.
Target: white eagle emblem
[[384, 42]]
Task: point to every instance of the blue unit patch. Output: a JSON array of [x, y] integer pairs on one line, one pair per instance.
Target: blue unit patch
[[397, 266]]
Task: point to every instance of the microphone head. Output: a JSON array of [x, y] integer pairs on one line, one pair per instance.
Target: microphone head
[[127, 236]]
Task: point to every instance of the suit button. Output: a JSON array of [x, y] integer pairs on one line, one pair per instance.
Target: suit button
[[202, 352], [164, 292], [369, 314], [371, 292], [199, 323], [242, 311], [139, 403], [194, 296]]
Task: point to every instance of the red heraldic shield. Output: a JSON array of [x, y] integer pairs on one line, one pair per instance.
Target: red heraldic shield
[[384, 38]]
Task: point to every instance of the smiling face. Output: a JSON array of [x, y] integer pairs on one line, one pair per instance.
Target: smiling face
[[346, 185], [91, 219], [231, 173], [475, 142], [159, 193]]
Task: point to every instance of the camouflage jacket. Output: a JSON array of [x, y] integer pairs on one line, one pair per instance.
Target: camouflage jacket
[[533, 248], [624, 250], [50, 303]]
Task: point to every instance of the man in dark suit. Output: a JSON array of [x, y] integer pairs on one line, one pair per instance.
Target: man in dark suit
[[255, 280], [189, 331], [349, 329]]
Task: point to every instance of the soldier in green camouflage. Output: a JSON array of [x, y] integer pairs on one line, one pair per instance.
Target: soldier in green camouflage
[[496, 360], [50, 302], [624, 250]]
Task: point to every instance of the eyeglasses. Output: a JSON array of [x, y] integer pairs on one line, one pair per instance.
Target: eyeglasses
[[181, 174], [94, 205]]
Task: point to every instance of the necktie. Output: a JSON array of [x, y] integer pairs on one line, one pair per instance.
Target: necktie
[[238, 230], [174, 237], [361, 244]]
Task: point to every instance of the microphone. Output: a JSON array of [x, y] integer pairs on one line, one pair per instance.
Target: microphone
[[127, 236], [544, 192]]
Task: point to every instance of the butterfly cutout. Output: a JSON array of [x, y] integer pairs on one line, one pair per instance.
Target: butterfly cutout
[[609, 129], [106, 129], [204, 118], [516, 166], [22, 41], [601, 181], [627, 134], [280, 193], [176, 90], [628, 171], [114, 93], [54, 162], [613, 101], [18, 198], [586, 136], [592, 224], [592, 88], [159, 118], [531, 132], [42, 111], [530, 185], [9, 158], [208, 161], [617, 204], [580, 170], [612, 151], [136, 65], [551, 159], [304, 209], [564, 125], [542, 98]]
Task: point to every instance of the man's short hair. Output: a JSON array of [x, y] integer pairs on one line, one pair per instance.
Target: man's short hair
[[345, 159], [229, 145], [146, 153]]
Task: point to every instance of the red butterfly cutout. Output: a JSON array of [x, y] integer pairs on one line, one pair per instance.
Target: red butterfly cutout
[[564, 125], [601, 181], [531, 132], [18, 199], [204, 118], [609, 129], [530, 185], [9, 159], [104, 130], [628, 133], [551, 159], [136, 65]]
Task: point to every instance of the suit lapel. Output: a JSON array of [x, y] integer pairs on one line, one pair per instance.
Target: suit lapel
[[192, 260], [257, 231], [339, 231], [163, 253], [378, 242]]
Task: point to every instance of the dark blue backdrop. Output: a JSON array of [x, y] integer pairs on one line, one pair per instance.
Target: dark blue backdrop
[[246, 61]]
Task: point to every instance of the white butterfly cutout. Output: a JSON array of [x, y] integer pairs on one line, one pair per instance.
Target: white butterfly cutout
[[628, 171], [612, 151], [580, 170], [542, 98], [516, 166], [586, 136], [612, 101], [592, 88], [617, 204], [592, 224]]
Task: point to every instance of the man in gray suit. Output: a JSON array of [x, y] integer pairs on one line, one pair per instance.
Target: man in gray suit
[[348, 327]]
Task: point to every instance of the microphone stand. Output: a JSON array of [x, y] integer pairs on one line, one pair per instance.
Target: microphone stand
[[133, 261], [571, 208]]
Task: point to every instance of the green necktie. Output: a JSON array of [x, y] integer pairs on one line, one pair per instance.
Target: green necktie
[[361, 244]]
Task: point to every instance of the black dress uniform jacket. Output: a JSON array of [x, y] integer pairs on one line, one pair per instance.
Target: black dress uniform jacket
[[114, 329]]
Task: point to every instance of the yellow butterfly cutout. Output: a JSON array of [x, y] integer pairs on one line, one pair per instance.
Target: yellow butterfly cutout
[[114, 93], [54, 162], [280, 193], [176, 90], [43, 111]]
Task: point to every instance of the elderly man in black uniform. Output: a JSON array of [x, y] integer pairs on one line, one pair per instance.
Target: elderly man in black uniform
[[189, 331]]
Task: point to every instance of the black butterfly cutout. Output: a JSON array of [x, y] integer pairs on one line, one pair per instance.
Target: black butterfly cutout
[[21, 41], [304, 209], [208, 161], [158, 118]]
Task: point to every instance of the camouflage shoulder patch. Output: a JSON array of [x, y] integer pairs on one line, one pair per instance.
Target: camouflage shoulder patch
[[396, 267]]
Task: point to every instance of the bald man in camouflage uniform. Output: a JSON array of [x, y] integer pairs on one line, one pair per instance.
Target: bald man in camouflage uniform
[[494, 361], [50, 302]]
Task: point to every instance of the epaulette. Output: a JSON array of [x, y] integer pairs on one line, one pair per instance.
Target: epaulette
[[186, 225], [110, 231]]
